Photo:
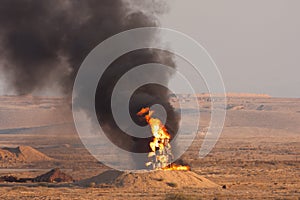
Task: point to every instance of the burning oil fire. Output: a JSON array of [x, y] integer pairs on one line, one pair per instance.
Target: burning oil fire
[[160, 155]]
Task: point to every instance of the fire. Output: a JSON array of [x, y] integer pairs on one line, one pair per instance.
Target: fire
[[160, 154], [177, 167]]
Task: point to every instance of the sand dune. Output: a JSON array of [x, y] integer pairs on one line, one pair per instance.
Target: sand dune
[[22, 154]]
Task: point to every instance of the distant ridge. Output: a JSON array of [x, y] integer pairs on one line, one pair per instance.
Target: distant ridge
[[236, 95], [248, 95]]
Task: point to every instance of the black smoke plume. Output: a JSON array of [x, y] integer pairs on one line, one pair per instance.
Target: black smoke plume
[[43, 42], [145, 96], [39, 37]]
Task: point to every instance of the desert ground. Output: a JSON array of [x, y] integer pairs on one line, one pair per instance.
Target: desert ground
[[256, 157]]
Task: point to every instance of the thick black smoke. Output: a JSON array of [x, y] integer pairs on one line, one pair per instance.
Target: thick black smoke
[[145, 96], [43, 42], [39, 37]]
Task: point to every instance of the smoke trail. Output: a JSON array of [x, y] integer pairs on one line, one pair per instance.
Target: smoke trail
[[145, 96], [44, 43]]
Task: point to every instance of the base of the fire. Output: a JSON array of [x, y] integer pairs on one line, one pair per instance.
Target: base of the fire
[[160, 156]]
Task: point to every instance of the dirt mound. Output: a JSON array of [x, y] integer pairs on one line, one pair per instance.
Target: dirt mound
[[8, 179], [264, 108], [55, 175], [235, 107], [14, 179], [22, 154], [156, 179]]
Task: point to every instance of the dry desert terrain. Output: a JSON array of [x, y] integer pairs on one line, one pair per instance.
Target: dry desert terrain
[[256, 157]]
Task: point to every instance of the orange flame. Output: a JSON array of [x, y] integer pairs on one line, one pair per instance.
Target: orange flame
[[177, 167], [160, 142]]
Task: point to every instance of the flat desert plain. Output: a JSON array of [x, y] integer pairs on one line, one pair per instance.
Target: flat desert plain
[[256, 157]]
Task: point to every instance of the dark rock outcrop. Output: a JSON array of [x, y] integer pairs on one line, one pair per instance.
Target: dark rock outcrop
[[54, 176]]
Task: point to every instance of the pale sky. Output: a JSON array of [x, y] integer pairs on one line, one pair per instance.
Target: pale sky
[[255, 43]]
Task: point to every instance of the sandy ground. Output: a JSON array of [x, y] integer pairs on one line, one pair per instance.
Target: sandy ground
[[256, 157]]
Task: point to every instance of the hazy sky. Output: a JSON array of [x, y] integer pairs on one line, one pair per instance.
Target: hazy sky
[[255, 43]]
